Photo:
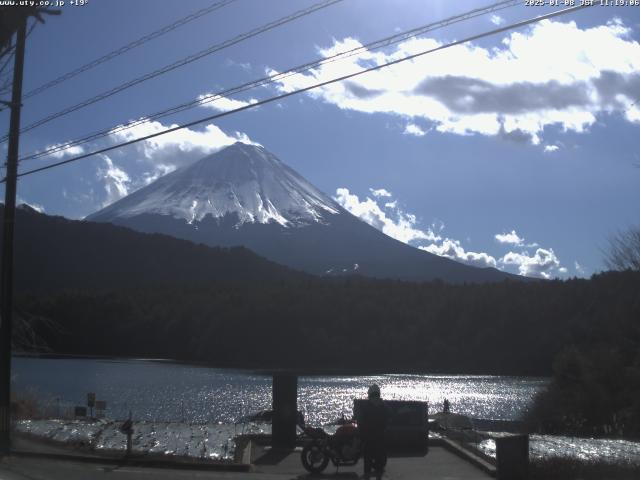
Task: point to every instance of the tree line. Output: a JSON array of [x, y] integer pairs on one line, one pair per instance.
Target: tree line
[[348, 323]]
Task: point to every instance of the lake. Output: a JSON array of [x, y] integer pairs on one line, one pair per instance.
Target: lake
[[208, 401], [167, 391]]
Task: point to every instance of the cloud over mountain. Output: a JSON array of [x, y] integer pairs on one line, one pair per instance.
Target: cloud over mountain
[[454, 250], [385, 215], [403, 226], [512, 90], [145, 162], [390, 220], [542, 264], [177, 148]]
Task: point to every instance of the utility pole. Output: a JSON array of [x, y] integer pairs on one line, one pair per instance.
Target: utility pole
[[12, 19], [7, 242]]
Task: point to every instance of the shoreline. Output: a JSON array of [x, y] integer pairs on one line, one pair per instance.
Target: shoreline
[[219, 442], [261, 370]]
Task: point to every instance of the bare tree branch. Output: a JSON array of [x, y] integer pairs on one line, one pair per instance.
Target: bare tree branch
[[624, 250]]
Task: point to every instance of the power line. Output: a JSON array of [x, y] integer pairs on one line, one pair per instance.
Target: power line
[[9, 58], [399, 37], [8, 50], [128, 47], [279, 76], [311, 87], [181, 63], [7, 87]]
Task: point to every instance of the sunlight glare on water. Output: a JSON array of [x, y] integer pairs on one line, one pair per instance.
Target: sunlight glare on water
[[166, 391], [210, 400], [323, 399]]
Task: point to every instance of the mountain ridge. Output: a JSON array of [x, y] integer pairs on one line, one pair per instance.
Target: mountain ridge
[[244, 195], [98, 256]]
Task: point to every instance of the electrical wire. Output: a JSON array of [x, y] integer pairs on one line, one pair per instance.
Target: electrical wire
[[180, 63], [7, 87], [308, 88], [7, 50], [203, 100], [7, 62], [130, 46]]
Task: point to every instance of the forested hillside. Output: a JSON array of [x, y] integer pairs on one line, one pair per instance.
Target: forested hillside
[[352, 323]]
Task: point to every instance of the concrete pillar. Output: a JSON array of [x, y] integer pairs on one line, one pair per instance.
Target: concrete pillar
[[285, 408], [512, 457]]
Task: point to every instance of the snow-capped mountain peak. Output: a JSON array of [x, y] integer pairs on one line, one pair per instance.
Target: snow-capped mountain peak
[[243, 195], [241, 179]]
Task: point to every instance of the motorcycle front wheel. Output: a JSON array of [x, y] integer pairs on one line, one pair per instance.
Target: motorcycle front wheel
[[314, 458]]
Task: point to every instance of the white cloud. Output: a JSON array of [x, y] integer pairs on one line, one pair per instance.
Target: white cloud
[[167, 152], [510, 238], [36, 206], [413, 129], [225, 104], [453, 249], [180, 147], [511, 90], [116, 181], [246, 66], [551, 148], [157, 156], [69, 151], [160, 170], [380, 192], [543, 264], [579, 268], [402, 227], [496, 20]]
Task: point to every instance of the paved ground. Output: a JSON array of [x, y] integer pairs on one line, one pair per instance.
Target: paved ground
[[438, 464]]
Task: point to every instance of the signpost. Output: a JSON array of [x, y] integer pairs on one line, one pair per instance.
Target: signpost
[[91, 401], [101, 406], [127, 429]]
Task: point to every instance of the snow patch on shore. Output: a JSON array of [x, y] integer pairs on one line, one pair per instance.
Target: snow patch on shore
[[548, 446], [207, 441]]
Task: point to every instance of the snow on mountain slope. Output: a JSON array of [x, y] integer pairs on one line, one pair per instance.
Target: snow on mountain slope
[[242, 179], [244, 195]]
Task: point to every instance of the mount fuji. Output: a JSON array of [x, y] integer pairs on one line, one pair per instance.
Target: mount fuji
[[244, 195]]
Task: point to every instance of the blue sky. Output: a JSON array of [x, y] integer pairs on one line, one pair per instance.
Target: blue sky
[[517, 151]]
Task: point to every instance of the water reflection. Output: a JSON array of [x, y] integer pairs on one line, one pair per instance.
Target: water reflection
[[210, 400], [163, 391]]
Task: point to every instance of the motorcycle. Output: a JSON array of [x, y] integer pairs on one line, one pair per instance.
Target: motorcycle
[[343, 448]]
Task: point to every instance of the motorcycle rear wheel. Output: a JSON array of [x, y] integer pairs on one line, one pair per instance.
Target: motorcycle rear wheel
[[314, 459]]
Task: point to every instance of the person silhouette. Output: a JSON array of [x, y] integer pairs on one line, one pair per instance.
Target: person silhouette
[[372, 424]]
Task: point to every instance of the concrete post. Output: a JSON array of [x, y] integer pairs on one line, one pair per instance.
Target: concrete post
[[285, 408], [6, 273], [512, 455]]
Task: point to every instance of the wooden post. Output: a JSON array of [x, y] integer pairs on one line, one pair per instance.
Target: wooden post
[[285, 409]]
